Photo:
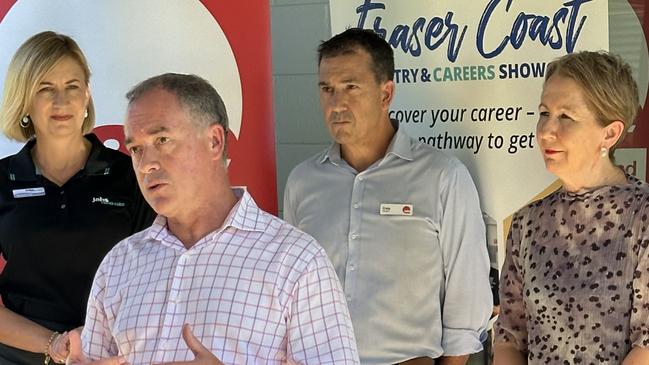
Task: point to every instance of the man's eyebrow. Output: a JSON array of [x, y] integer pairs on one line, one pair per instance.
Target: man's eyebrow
[[150, 132]]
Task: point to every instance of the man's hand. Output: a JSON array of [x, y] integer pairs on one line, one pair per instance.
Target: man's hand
[[202, 356], [76, 356], [59, 348]]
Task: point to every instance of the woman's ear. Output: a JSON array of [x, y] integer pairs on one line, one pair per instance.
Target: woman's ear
[[613, 132], [88, 93]]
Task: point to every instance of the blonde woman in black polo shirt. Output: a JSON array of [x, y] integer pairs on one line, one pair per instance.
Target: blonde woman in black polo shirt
[[65, 200]]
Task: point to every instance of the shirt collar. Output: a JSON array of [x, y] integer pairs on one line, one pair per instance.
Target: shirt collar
[[332, 154], [400, 146], [22, 168], [244, 216]]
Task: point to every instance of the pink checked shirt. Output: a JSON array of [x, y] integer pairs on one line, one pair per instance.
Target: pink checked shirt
[[255, 291]]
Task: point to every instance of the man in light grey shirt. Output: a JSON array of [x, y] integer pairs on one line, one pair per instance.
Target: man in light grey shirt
[[400, 220]]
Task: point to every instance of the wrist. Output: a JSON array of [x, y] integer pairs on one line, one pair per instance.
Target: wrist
[[50, 341]]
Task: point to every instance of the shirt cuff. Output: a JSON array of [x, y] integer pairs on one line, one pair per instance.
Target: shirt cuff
[[457, 342]]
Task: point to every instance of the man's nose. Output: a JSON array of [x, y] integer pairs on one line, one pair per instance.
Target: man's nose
[[339, 101], [146, 161]]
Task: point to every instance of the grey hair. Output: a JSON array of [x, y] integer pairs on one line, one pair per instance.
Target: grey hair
[[194, 93]]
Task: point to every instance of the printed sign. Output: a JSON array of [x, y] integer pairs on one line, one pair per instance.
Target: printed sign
[[469, 76]]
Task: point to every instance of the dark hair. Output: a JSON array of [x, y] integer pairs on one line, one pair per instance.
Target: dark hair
[[349, 41], [194, 93]]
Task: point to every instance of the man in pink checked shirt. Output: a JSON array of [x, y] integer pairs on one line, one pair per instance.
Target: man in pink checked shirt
[[214, 280]]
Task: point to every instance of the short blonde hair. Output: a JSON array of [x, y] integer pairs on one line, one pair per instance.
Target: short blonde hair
[[607, 83], [35, 58]]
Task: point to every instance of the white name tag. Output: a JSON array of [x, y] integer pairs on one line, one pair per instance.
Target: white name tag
[[29, 192], [395, 209]]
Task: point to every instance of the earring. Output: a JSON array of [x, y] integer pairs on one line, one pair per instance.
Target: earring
[[85, 114], [25, 121], [603, 152]]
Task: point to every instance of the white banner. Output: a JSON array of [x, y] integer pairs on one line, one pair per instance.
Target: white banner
[[469, 76]]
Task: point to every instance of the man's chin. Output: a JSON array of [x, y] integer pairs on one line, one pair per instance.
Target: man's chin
[[340, 136], [159, 204]]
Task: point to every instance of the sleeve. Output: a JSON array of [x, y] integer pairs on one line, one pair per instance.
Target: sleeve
[[319, 326], [639, 325], [289, 207], [511, 326], [467, 302], [96, 337]]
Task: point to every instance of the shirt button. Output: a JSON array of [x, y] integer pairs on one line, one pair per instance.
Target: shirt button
[[62, 206], [352, 267], [356, 205], [349, 298], [360, 178], [354, 236], [62, 192]]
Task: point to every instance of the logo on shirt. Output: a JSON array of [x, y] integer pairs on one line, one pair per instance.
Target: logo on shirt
[[395, 209], [106, 201]]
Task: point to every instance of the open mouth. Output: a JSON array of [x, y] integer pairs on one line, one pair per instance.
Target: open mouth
[[155, 187]]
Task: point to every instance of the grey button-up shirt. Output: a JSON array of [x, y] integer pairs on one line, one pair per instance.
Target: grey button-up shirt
[[407, 240]]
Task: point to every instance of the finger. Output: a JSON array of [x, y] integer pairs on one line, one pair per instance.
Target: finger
[[117, 360], [76, 353], [59, 349], [192, 342]]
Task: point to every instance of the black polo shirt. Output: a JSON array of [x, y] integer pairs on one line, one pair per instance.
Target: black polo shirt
[[54, 238]]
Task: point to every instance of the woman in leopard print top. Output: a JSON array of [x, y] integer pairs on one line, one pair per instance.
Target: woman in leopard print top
[[575, 283]]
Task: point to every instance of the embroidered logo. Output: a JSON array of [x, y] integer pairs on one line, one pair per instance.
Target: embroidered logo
[[106, 201]]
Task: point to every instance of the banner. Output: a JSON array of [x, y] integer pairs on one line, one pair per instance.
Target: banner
[[468, 80], [633, 154]]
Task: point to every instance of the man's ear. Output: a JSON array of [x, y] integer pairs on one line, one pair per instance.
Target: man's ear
[[387, 93], [612, 133], [217, 136]]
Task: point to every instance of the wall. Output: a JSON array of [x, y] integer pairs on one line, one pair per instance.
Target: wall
[[297, 28]]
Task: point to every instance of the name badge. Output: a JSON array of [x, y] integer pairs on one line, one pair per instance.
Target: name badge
[[395, 209], [28, 193]]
